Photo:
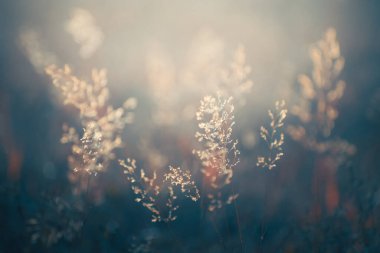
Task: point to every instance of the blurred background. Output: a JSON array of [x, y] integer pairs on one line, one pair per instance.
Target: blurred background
[[168, 55]]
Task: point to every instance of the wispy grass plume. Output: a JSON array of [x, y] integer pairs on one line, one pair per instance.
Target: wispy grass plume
[[219, 154], [92, 149], [273, 137]]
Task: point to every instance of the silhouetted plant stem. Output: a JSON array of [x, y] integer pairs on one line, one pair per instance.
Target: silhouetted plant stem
[[318, 204], [86, 207], [263, 229], [214, 225], [202, 204], [176, 244], [238, 221]]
